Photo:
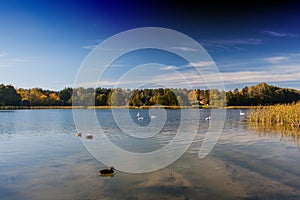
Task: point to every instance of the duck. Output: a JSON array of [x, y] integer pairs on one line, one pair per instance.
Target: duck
[[78, 134], [89, 136], [207, 118], [241, 113], [107, 172]]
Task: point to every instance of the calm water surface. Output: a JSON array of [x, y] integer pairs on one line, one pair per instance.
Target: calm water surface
[[40, 158]]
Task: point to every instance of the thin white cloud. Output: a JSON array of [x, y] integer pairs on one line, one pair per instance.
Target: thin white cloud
[[170, 67], [4, 65], [20, 60], [283, 73], [276, 59], [10, 62], [277, 34], [190, 65], [201, 64], [97, 41], [233, 42], [118, 65], [259, 76], [3, 54], [279, 73], [92, 46], [282, 68], [186, 49]]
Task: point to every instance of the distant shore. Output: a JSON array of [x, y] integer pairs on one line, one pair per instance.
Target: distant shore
[[98, 107], [124, 107]]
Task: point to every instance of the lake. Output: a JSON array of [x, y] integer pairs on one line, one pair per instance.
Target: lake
[[41, 158]]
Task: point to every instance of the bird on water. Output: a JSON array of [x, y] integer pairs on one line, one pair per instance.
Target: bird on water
[[89, 136], [207, 118], [109, 171]]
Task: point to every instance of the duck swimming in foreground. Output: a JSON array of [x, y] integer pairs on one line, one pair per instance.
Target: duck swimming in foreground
[[107, 172], [89, 136], [78, 134]]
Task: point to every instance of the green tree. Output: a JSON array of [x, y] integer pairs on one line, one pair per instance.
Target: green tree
[[182, 97], [65, 96], [135, 98], [101, 100], [84, 97], [117, 98], [9, 96], [168, 99]]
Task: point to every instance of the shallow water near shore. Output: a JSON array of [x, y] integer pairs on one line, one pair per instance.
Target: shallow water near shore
[[41, 158]]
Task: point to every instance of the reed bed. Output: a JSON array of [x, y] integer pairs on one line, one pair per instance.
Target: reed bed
[[287, 115], [278, 120]]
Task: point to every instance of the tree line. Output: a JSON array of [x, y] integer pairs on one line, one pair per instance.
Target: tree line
[[260, 94]]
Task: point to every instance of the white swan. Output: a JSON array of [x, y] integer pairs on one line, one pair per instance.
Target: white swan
[[138, 114], [207, 118], [241, 113], [140, 118]]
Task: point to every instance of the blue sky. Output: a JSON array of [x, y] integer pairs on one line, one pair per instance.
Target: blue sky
[[43, 43]]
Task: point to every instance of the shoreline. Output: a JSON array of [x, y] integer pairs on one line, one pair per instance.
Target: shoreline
[[97, 107], [124, 107]]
